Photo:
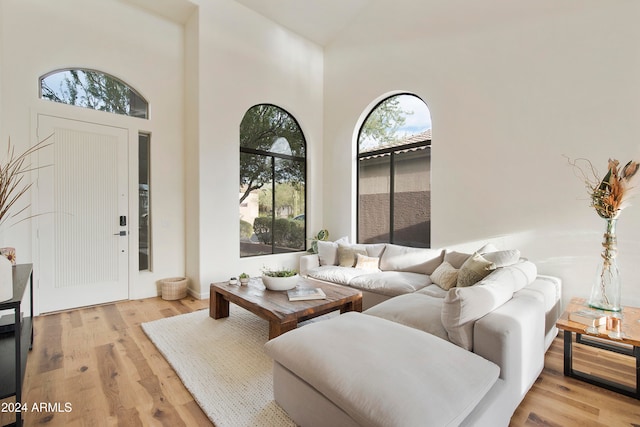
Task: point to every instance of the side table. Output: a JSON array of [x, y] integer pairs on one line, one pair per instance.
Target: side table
[[630, 336], [15, 343]]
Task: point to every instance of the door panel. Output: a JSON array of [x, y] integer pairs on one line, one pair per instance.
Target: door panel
[[82, 189]]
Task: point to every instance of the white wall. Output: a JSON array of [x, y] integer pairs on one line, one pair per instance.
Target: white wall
[[512, 87], [242, 59], [141, 49]]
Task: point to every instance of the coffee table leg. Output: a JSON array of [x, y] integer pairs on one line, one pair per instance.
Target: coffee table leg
[[276, 328], [218, 306], [352, 306]]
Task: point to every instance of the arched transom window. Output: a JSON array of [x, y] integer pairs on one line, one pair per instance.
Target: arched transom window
[[272, 182], [93, 89]]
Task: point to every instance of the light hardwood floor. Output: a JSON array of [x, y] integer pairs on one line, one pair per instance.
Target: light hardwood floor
[[100, 361]]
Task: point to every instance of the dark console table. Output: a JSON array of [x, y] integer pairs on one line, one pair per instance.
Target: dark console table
[[14, 342]]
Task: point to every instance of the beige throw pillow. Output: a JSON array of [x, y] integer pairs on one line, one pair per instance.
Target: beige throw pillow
[[445, 276], [474, 269], [347, 254], [364, 262]]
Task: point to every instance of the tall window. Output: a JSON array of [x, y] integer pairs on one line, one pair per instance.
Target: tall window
[[93, 89], [144, 211], [394, 173], [272, 182]]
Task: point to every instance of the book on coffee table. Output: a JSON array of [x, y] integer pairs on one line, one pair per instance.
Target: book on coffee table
[[303, 294], [588, 317]]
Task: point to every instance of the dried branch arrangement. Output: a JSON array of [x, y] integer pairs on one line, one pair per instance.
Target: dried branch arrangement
[[13, 171], [612, 193]]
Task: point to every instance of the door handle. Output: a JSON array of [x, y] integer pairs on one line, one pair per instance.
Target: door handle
[[122, 233]]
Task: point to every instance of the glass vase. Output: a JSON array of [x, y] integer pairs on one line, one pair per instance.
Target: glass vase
[[605, 293]]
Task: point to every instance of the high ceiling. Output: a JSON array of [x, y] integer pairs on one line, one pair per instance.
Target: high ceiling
[[322, 21], [318, 20]]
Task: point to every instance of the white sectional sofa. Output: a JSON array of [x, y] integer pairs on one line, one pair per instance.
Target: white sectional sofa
[[432, 353]]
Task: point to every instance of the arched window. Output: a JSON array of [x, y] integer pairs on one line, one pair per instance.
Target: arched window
[[272, 182], [394, 173], [93, 89]]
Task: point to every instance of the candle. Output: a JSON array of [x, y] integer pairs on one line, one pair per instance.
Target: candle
[[614, 323]]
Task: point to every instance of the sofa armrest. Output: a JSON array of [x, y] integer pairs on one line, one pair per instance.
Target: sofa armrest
[[512, 336], [307, 262]]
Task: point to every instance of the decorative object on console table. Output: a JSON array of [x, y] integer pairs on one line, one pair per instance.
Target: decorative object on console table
[[607, 289], [6, 279], [591, 318], [609, 196], [7, 261]]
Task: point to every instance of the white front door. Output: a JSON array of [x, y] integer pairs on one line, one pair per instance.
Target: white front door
[[83, 223]]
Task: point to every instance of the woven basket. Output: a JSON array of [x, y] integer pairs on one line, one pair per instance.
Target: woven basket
[[174, 288]]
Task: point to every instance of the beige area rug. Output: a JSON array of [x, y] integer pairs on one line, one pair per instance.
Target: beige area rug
[[222, 363]]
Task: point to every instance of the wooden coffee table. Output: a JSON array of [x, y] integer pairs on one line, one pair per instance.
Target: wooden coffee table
[[283, 315], [628, 344]]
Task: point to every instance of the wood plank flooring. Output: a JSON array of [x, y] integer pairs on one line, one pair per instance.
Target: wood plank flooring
[[99, 361]]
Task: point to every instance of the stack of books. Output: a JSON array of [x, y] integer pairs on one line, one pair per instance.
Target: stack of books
[[303, 294]]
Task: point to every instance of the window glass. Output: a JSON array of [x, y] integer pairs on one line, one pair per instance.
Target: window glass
[[272, 182], [394, 173], [95, 90], [144, 211]]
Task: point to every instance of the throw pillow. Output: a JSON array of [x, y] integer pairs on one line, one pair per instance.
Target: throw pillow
[[347, 254], [414, 260], [489, 247], [328, 251], [364, 262], [503, 258], [456, 259], [445, 276], [474, 269]]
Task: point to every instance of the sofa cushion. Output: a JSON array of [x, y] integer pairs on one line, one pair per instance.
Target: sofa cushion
[[375, 249], [335, 274], [519, 274], [433, 290], [438, 383], [328, 251], [445, 276], [463, 306], [347, 254], [414, 260], [390, 283], [364, 262], [502, 258], [416, 310], [474, 269]]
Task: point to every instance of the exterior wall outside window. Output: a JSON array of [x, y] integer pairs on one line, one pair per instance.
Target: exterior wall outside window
[[394, 177]]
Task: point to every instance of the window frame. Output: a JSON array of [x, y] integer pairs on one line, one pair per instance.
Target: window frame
[[273, 156], [42, 78], [391, 152]]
